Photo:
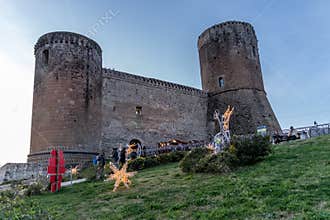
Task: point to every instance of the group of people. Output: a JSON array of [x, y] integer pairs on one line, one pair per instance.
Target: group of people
[[179, 147], [293, 134], [119, 157], [100, 162]]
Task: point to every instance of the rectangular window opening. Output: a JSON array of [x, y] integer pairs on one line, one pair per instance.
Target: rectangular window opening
[[138, 110], [45, 56], [221, 82]]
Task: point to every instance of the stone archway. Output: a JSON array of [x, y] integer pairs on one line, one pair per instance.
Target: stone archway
[[135, 141], [136, 146]]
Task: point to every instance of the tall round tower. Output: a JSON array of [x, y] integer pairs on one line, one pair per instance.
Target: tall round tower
[[67, 97], [231, 73]]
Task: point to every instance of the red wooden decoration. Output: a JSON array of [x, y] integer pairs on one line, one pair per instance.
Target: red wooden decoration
[[56, 168]]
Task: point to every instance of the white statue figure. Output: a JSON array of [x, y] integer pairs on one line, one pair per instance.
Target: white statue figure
[[222, 139]]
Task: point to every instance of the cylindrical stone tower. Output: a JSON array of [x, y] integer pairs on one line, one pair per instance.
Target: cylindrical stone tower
[[67, 97], [231, 73]]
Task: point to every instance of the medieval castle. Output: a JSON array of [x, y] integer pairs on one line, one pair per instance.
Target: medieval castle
[[83, 108]]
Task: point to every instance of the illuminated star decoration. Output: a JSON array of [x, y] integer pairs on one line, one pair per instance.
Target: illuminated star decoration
[[75, 170], [120, 176]]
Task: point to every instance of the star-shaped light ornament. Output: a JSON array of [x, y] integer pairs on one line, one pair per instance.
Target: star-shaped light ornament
[[120, 176], [75, 170]]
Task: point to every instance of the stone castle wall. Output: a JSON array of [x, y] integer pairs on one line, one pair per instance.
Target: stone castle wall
[[168, 110], [67, 95], [252, 109], [19, 171], [231, 74]]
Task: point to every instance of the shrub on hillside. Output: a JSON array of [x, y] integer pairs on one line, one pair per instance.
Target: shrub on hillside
[[223, 162], [150, 162], [251, 149], [34, 189], [190, 161], [14, 206], [242, 151], [174, 156], [137, 164], [147, 162]]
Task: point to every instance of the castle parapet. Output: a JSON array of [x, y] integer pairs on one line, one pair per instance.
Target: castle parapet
[[152, 82], [218, 32], [62, 37]]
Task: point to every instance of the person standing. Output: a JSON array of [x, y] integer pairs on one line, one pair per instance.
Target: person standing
[[292, 135], [115, 156], [100, 167], [122, 157]]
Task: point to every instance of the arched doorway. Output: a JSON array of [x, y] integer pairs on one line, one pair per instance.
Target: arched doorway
[[135, 142]]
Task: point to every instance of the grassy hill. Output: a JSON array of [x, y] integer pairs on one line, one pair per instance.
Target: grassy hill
[[292, 183]]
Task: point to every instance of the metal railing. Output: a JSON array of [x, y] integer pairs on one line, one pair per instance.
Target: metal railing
[[311, 131]]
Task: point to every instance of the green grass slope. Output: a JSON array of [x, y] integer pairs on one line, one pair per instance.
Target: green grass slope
[[292, 183]]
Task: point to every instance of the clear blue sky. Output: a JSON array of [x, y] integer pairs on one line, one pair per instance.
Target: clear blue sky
[[159, 39]]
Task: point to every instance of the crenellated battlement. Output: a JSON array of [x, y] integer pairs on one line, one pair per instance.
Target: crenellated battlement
[[63, 37], [222, 30], [153, 82]]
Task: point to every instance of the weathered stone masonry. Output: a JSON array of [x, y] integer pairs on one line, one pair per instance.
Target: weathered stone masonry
[[67, 96], [82, 108], [231, 74], [168, 110]]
